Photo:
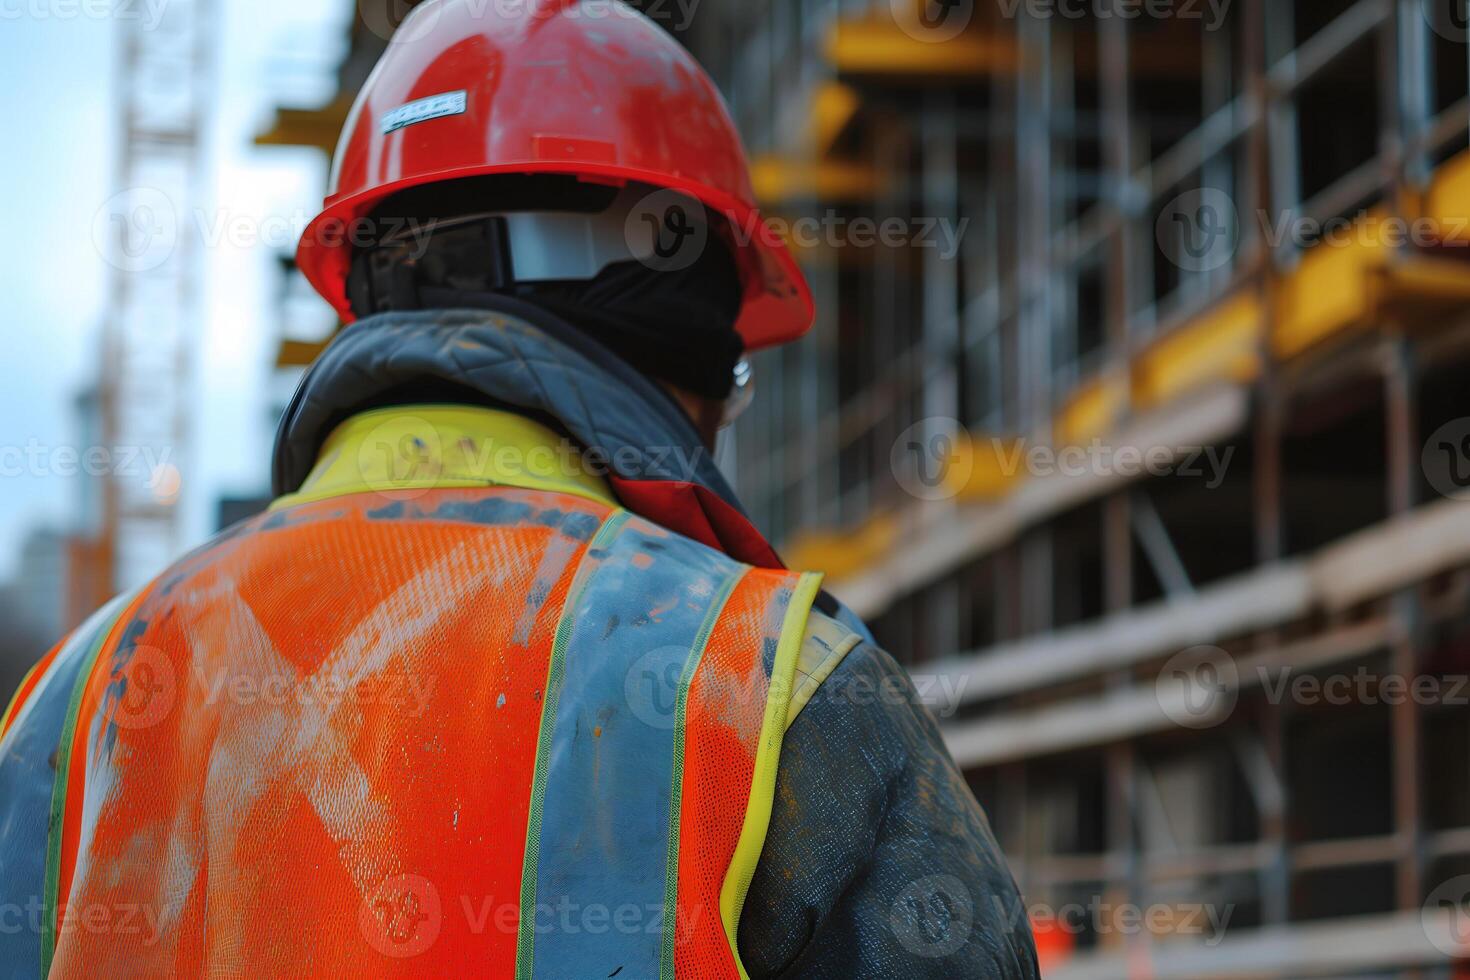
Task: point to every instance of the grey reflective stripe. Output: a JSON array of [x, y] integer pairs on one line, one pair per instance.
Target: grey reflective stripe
[[29, 765], [605, 835]]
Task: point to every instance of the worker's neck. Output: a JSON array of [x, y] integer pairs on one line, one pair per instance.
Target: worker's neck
[[706, 413]]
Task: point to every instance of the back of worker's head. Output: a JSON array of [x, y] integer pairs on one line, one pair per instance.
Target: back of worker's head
[[575, 125], [643, 271]]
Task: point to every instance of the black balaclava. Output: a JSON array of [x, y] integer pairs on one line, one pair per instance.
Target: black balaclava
[[676, 326]]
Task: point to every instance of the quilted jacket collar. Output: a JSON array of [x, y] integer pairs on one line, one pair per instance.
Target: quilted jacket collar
[[525, 359]]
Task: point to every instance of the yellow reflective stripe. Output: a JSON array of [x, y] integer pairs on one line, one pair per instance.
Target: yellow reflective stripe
[[767, 759], [105, 622], [436, 447], [827, 643]]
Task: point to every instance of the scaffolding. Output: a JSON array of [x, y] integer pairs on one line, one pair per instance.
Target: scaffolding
[[1182, 237], [1130, 271]]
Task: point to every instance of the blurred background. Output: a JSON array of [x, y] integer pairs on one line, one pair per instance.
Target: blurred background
[[1135, 419]]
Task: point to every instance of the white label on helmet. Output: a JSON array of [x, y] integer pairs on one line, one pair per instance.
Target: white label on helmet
[[420, 110]]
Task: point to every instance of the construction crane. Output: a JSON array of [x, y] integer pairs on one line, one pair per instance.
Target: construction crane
[[149, 228]]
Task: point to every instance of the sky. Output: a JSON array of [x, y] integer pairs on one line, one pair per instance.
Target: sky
[[56, 163]]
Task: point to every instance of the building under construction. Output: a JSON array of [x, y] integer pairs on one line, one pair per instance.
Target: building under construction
[[1134, 422]]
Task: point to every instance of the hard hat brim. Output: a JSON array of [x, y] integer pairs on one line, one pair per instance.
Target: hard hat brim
[[778, 306]]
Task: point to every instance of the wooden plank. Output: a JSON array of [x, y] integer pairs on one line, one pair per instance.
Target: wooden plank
[[879, 47], [1340, 947], [317, 128], [1330, 292], [1222, 342], [1373, 563], [958, 536], [1141, 709], [1392, 554], [1252, 601], [299, 353]]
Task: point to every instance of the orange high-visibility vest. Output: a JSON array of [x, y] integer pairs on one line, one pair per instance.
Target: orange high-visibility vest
[[470, 732]]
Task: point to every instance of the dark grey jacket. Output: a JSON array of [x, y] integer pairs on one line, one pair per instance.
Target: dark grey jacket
[[878, 861]]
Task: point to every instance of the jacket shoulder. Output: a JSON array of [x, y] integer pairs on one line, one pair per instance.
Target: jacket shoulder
[[825, 645]]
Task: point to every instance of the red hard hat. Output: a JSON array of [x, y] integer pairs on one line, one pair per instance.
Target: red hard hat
[[588, 88]]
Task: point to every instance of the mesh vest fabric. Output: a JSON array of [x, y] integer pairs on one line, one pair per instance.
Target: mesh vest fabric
[[489, 732]]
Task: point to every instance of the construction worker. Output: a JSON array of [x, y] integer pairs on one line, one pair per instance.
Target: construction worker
[[504, 684]]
